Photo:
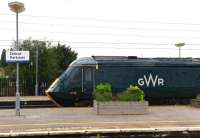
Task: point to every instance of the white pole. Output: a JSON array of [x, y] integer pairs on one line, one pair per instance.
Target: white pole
[[17, 103], [36, 72], [179, 45], [17, 7]]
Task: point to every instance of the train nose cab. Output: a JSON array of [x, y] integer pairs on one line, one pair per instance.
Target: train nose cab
[[75, 84]]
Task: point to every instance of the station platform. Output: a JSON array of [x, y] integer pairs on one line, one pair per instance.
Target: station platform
[[83, 121], [26, 101]]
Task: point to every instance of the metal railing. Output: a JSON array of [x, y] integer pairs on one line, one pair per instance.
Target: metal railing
[[26, 87]]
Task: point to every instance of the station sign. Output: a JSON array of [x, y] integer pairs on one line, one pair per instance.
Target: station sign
[[17, 56]]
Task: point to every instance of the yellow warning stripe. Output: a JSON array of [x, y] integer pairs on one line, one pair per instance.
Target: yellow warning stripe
[[64, 123], [57, 104], [49, 90], [82, 123]]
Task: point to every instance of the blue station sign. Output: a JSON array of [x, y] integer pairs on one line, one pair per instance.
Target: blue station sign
[[17, 56]]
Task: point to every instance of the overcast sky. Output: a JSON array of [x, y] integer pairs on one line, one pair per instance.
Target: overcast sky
[[147, 28]]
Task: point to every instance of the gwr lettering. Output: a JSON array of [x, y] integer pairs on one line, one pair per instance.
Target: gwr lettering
[[151, 80], [160, 81], [141, 81]]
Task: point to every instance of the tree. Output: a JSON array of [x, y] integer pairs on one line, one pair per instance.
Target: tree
[[52, 60], [3, 58], [6, 68], [64, 56]]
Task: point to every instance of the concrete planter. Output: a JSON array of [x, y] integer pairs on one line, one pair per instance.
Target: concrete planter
[[120, 107], [195, 103]]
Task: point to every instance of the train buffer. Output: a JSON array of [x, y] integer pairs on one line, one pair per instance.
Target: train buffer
[[162, 120]]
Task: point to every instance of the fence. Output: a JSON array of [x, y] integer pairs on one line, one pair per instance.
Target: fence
[[26, 87]]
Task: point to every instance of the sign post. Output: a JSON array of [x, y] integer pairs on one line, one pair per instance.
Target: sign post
[[17, 7], [17, 57]]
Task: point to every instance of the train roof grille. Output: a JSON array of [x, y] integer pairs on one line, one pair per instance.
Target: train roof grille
[[175, 59], [114, 57], [132, 57]]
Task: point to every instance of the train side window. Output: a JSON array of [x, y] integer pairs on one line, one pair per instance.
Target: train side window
[[76, 75], [88, 74]]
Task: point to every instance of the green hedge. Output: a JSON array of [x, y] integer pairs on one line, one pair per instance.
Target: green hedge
[[103, 92], [132, 93], [198, 97]]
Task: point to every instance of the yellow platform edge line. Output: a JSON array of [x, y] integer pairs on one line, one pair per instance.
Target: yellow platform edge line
[[85, 123]]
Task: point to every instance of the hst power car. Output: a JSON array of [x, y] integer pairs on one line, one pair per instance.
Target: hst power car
[[159, 78]]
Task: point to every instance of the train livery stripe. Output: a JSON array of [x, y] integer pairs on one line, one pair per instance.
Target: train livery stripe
[[49, 89], [49, 96]]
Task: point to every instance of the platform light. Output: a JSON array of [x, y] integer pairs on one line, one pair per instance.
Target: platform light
[[179, 45], [17, 7]]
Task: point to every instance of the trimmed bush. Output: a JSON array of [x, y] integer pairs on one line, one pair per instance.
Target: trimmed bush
[[133, 93], [198, 97], [103, 92]]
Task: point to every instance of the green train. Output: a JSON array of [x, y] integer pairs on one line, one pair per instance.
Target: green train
[[159, 78]]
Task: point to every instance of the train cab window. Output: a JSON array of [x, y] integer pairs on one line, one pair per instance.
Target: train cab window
[[76, 75], [88, 74], [87, 80]]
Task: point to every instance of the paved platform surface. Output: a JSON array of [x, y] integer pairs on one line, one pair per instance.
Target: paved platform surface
[[79, 120]]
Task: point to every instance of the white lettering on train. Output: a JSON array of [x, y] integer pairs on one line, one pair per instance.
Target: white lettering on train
[[149, 79]]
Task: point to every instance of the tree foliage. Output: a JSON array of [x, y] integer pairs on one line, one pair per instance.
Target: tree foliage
[[52, 60], [62, 53], [3, 57]]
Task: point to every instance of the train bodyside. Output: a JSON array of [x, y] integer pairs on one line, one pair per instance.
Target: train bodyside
[[159, 78], [159, 82]]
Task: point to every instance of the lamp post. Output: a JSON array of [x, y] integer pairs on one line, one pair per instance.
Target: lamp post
[[179, 45], [17, 7], [36, 72]]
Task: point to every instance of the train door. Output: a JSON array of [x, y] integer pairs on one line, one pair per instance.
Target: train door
[[87, 81]]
